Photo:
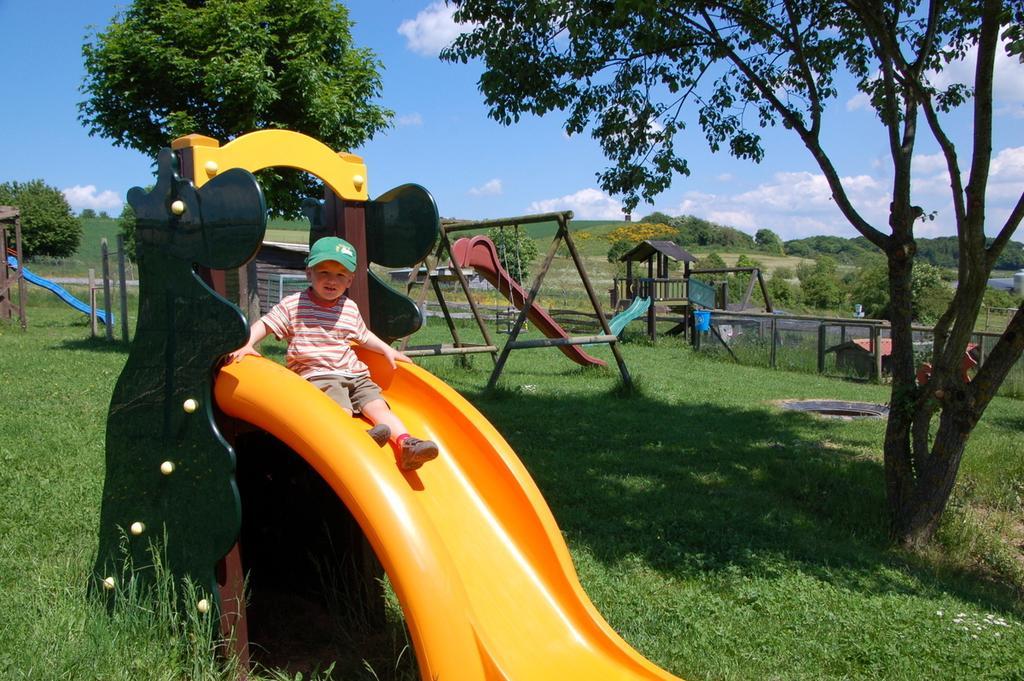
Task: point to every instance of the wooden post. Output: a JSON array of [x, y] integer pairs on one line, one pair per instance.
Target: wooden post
[[521, 319], [614, 343], [347, 219], [105, 258], [764, 292], [748, 292], [652, 316], [822, 337], [5, 293], [93, 317], [460, 348], [22, 292], [775, 337], [123, 282], [876, 348]]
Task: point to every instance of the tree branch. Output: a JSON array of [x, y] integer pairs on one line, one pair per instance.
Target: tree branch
[[995, 249], [999, 362], [793, 121]]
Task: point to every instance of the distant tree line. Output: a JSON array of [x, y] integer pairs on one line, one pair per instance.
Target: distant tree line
[[693, 232], [943, 251]]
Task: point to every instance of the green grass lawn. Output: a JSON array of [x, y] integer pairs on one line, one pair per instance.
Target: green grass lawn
[[722, 537]]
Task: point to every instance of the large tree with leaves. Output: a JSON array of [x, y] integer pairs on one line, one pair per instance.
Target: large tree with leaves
[[631, 71], [222, 68]]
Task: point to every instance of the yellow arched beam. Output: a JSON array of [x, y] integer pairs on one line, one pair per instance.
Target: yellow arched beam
[[343, 172]]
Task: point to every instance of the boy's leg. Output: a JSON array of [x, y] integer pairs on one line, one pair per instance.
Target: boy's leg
[[379, 412], [338, 390], [413, 452]]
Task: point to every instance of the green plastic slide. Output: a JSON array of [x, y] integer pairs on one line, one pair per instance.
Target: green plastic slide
[[637, 308]]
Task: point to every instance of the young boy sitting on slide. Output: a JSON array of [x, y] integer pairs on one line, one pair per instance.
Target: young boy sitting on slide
[[320, 325]]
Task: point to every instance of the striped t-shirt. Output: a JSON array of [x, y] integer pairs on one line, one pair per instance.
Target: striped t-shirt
[[320, 337]]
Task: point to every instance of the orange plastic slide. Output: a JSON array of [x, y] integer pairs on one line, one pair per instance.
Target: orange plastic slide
[[472, 550], [480, 253]]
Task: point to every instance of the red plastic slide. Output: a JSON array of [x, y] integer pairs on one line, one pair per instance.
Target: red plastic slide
[[480, 253]]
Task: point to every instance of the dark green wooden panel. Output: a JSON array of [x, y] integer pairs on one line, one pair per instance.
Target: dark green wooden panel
[[392, 314], [401, 226], [184, 328]]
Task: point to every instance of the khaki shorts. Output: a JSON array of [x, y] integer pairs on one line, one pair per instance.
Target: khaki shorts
[[352, 393]]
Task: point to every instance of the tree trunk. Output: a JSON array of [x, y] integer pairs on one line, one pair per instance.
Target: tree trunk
[[920, 475], [898, 452], [917, 520]]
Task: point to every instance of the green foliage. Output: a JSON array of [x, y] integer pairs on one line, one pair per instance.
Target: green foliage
[[126, 225], [819, 284], [656, 218], [845, 251], [997, 298], [929, 291], [783, 292], [516, 250], [871, 290], [711, 261], [945, 252], [222, 68], [769, 242], [624, 238], [48, 227], [694, 231], [773, 66], [87, 214]]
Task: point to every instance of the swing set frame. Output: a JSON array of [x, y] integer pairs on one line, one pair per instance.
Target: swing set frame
[[457, 347]]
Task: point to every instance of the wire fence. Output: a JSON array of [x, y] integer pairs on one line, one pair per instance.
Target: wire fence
[[854, 349]]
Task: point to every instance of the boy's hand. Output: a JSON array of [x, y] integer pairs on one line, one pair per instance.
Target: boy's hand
[[242, 352], [395, 356]]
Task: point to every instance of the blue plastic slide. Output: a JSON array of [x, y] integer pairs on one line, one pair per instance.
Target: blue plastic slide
[[57, 290], [638, 307]]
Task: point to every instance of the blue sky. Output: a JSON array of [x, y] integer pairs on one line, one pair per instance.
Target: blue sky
[[476, 168]]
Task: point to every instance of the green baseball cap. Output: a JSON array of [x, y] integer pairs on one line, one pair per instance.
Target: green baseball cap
[[332, 248]]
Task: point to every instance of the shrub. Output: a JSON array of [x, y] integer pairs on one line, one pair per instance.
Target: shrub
[[819, 284], [126, 223], [623, 239], [516, 250], [48, 226]]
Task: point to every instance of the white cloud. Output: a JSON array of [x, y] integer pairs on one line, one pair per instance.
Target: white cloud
[[1006, 178], [1008, 83], [929, 163], [586, 204], [413, 119], [724, 177], [489, 188], [432, 30], [800, 204], [858, 102], [80, 197], [792, 204]]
